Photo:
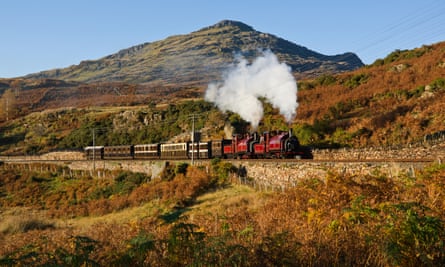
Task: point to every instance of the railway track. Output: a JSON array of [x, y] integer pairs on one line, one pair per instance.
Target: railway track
[[18, 159]]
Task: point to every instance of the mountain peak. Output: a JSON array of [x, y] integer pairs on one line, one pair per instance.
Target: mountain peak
[[199, 57], [239, 24], [229, 23]]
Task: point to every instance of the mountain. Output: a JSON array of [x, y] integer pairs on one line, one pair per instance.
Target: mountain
[[199, 57]]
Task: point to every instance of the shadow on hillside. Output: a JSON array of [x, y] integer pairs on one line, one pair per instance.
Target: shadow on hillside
[[174, 215], [10, 140]]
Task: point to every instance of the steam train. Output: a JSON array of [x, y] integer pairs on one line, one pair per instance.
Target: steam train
[[278, 144]]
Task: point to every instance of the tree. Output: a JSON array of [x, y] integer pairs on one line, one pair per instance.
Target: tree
[[8, 105], [17, 85]]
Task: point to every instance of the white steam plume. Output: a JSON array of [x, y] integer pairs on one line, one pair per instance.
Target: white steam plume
[[243, 84]]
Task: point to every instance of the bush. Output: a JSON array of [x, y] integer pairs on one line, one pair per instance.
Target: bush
[[438, 84], [303, 85], [127, 181], [356, 80], [137, 250], [414, 238], [378, 62], [326, 79], [181, 168], [341, 137], [306, 134], [221, 171]]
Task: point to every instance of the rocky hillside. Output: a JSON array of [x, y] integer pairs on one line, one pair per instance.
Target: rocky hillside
[[199, 57]]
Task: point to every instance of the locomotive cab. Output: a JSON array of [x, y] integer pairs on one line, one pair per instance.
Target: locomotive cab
[[293, 149], [281, 144], [291, 144]]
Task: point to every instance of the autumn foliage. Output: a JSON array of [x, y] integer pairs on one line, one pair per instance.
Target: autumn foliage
[[394, 101], [339, 220]]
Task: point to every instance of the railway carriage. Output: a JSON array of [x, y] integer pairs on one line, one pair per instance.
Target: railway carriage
[[175, 151], [217, 148], [199, 150], [147, 151], [94, 152], [119, 152]]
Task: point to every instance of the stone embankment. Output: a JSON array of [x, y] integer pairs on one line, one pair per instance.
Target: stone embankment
[[279, 175], [359, 162], [100, 168], [276, 176], [434, 153], [65, 156]]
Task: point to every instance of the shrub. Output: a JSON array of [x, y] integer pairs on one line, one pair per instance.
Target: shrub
[[356, 80], [168, 173], [414, 238], [127, 181], [306, 134], [82, 247], [326, 79], [417, 92], [341, 137], [305, 85], [181, 168], [221, 171], [378, 62], [137, 250], [438, 84]]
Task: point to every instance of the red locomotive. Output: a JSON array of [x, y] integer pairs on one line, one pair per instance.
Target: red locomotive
[[269, 145]]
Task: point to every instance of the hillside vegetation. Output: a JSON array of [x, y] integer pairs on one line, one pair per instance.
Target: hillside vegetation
[[201, 216], [395, 101]]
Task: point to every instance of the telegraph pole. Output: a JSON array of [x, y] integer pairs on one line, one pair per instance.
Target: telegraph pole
[[193, 137], [7, 109], [94, 152], [193, 116]]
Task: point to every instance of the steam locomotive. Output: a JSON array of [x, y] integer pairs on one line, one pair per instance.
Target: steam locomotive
[[278, 144]]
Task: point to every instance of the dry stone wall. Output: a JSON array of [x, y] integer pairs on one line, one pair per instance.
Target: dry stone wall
[[435, 153], [278, 176], [361, 162]]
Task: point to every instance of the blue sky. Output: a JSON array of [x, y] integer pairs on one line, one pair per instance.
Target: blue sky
[[47, 34]]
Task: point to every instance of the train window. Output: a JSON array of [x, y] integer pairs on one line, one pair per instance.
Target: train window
[[173, 147]]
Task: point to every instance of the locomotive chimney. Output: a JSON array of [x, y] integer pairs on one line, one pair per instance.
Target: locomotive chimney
[[290, 129]]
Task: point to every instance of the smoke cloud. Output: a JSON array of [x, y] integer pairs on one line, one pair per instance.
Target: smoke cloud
[[243, 84]]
